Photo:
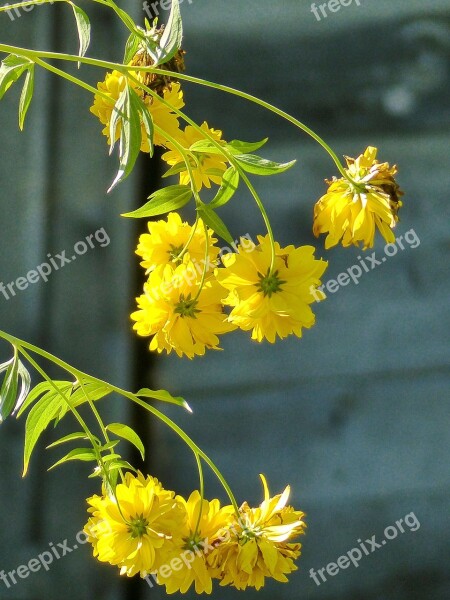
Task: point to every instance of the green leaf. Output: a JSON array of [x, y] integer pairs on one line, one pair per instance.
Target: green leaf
[[207, 147], [126, 433], [131, 47], [230, 183], [172, 37], [84, 29], [11, 69], [25, 387], [212, 219], [41, 415], [145, 115], [130, 134], [79, 435], [261, 166], [8, 392], [164, 396], [37, 391], [238, 147], [26, 96], [178, 168], [163, 201], [83, 454]]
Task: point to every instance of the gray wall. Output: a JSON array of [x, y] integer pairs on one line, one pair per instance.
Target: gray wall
[[355, 415]]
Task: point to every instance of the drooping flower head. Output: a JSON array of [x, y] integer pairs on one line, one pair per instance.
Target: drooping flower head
[[180, 313], [133, 528], [259, 543], [163, 116], [352, 213], [168, 238], [276, 303], [200, 536], [206, 168]]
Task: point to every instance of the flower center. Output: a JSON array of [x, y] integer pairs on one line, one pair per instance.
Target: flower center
[[138, 527], [186, 307], [270, 284], [174, 252], [192, 543]]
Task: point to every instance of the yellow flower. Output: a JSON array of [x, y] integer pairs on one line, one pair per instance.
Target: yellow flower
[[162, 115], [180, 318], [166, 239], [131, 531], [353, 212], [205, 167], [276, 303], [259, 543], [187, 563]]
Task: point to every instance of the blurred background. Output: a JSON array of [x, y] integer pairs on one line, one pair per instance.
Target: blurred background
[[355, 416]]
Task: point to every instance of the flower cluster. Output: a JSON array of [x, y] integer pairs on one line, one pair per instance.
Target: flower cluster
[[144, 529], [351, 210], [186, 293]]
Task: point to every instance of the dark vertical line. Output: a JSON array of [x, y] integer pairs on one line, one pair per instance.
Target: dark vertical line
[[143, 362], [44, 328]]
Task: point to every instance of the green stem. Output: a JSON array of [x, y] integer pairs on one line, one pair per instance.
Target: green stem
[[21, 344], [74, 411], [202, 494], [32, 54]]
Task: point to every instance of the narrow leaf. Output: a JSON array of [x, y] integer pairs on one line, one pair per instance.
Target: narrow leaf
[[178, 168], [172, 37], [238, 147], [25, 386], [11, 69], [8, 392], [40, 416], [131, 47], [163, 201], [83, 454], [126, 433], [26, 96], [212, 219], [164, 396], [130, 139], [79, 435], [207, 147], [84, 29], [261, 166], [141, 108], [230, 183]]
